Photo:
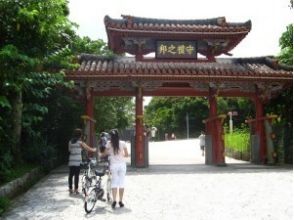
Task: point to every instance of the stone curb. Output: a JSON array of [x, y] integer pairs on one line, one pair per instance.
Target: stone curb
[[12, 188]]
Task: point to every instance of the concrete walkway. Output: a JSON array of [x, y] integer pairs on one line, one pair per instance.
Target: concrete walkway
[[177, 185]]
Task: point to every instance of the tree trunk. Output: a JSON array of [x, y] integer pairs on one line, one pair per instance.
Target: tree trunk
[[17, 107]]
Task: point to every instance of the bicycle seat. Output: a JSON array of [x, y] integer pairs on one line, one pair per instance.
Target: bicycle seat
[[99, 173]]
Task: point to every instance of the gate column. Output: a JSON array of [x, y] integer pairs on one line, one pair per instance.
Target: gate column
[[215, 130], [90, 114], [259, 128], [139, 139]]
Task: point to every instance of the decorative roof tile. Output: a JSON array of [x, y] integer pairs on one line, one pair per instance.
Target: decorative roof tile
[[105, 68], [218, 24]]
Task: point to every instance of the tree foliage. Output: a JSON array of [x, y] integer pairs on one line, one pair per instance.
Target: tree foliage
[[37, 43], [282, 105], [170, 114], [113, 112], [286, 44], [31, 33]]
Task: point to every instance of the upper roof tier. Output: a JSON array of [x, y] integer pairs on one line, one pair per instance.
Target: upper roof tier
[[138, 36]]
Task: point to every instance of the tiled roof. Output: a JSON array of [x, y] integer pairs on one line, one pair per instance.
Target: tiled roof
[[138, 36], [231, 69], [169, 25]]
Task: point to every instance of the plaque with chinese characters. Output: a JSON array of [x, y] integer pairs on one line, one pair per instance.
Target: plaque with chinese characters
[[176, 49]]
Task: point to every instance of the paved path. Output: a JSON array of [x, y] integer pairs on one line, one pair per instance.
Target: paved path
[[177, 185]]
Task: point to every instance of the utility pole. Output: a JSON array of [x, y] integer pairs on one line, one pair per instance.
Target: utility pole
[[187, 124], [231, 122]]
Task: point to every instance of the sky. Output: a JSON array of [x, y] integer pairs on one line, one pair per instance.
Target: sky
[[269, 18]]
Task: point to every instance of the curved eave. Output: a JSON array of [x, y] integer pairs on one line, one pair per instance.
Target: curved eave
[[206, 78], [199, 33]]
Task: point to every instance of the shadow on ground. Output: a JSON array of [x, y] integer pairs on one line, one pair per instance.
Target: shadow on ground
[[198, 169], [207, 169]]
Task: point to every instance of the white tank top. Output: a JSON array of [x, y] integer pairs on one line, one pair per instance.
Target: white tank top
[[119, 157]]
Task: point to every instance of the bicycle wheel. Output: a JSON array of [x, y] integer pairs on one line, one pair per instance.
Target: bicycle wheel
[[87, 182], [90, 200], [84, 184]]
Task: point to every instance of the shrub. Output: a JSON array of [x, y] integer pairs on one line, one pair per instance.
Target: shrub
[[4, 203], [237, 144]]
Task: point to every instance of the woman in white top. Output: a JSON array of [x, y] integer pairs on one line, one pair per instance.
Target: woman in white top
[[117, 150]]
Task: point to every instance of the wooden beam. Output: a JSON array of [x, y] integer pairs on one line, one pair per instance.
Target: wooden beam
[[168, 91]]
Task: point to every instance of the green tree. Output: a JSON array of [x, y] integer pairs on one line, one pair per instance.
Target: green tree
[[169, 114], [286, 44], [113, 112], [32, 34], [282, 105]]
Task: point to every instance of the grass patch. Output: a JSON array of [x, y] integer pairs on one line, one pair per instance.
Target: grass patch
[[237, 144], [16, 172], [238, 141], [4, 204]]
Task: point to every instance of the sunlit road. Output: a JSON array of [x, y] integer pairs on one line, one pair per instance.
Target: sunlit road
[[178, 152], [176, 185]]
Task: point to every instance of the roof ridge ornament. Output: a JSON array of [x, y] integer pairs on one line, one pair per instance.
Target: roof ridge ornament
[[129, 19], [222, 21], [212, 37]]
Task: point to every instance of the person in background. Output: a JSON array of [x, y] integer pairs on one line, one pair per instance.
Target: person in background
[[153, 133], [166, 136], [116, 151], [173, 136], [103, 141], [202, 142], [75, 147]]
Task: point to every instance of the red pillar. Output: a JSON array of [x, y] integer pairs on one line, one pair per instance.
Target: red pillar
[[139, 129], [215, 129], [90, 114], [212, 103], [259, 128], [212, 114]]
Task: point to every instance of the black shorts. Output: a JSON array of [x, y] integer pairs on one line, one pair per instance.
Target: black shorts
[[202, 147]]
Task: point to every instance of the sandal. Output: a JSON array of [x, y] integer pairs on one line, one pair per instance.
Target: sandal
[[113, 205], [121, 204]]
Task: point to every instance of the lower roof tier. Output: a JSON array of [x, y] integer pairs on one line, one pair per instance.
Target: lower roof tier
[[241, 69], [230, 76]]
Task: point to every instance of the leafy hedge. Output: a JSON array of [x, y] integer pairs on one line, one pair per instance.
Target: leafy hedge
[[237, 144]]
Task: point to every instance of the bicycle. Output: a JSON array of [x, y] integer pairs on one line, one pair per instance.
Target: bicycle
[[88, 178], [95, 192]]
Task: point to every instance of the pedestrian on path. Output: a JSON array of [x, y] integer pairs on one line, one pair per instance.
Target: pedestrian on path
[[202, 142], [75, 146], [102, 143], [117, 150]]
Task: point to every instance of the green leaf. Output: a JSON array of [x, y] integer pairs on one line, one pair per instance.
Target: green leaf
[[4, 103]]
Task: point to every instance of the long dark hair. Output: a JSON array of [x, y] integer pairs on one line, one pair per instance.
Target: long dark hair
[[114, 139], [76, 135]]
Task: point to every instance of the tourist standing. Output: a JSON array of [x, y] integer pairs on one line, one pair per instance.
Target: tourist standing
[[202, 142], [117, 150], [75, 146]]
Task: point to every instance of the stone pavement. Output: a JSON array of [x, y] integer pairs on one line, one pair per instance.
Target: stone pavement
[[177, 185]]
